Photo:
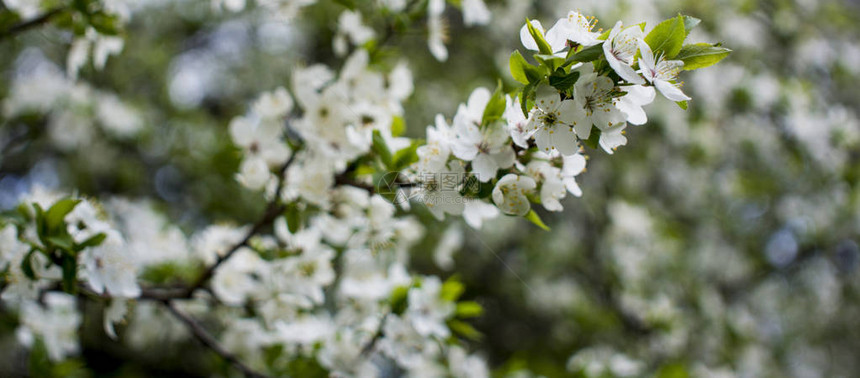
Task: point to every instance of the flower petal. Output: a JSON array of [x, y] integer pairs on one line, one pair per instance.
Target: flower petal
[[670, 91], [484, 167]]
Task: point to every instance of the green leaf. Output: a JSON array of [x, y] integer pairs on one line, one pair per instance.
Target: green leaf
[[41, 226], [93, 241], [543, 45], [690, 23], [495, 107], [701, 55], [381, 149], [55, 216], [551, 62], [294, 218], [64, 241], [534, 218], [407, 156], [105, 24], [452, 289], [398, 126], [563, 81], [528, 93], [27, 265], [70, 274], [168, 272], [398, 299], [469, 309], [464, 329], [667, 37], [517, 65], [593, 140], [587, 54], [682, 104]]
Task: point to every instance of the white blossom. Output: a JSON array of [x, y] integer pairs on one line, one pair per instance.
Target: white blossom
[[552, 188], [475, 12], [593, 94], [556, 44], [575, 28], [438, 30], [55, 323], [475, 212], [110, 268], [554, 120], [510, 194], [661, 73], [620, 50], [350, 26], [632, 102]]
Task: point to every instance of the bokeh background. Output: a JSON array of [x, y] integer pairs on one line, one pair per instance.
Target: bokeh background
[[721, 241]]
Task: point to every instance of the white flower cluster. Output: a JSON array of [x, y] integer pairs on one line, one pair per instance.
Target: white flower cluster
[[477, 149], [108, 268], [339, 117], [90, 42], [73, 108]]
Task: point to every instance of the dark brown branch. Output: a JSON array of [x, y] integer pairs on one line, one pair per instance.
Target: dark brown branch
[[209, 341], [29, 24], [272, 211], [376, 336]]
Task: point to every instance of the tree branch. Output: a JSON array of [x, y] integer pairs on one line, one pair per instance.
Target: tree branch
[[376, 336], [273, 209], [29, 24], [209, 341]]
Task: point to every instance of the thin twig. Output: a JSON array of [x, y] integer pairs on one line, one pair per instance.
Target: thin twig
[[209, 341], [272, 211], [29, 24], [376, 336]]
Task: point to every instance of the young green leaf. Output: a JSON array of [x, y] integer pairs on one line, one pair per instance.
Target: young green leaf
[[701, 55], [294, 218], [534, 218], [464, 329], [543, 45], [380, 148], [690, 23], [64, 241], [93, 241], [528, 93], [406, 156], [70, 274], [399, 299], [518, 66], [667, 37], [495, 107], [551, 62], [563, 81], [469, 309], [593, 140], [452, 289], [587, 54], [27, 265], [398, 126], [54, 217]]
